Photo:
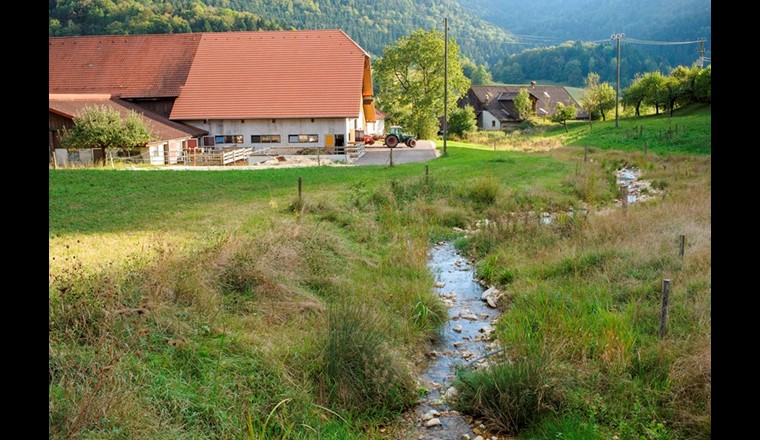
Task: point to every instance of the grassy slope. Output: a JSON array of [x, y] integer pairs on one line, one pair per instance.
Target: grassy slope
[[689, 131], [216, 290]]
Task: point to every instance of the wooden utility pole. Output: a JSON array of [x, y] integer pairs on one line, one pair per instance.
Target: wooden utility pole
[[445, 81], [617, 37]]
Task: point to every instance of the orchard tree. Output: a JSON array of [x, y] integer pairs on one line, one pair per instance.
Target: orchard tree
[[597, 97], [634, 95], [523, 105], [409, 79], [103, 127], [652, 82], [562, 114]]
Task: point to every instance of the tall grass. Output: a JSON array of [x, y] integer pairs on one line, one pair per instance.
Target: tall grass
[[585, 301], [215, 307]]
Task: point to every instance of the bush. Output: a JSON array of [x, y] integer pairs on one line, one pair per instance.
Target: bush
[[361, 374], [511, 396], [483, 192]]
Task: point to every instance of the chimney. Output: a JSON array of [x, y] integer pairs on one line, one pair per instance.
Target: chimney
[[532, 84]]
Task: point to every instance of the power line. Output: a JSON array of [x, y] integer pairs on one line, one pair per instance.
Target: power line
[[660, 43]]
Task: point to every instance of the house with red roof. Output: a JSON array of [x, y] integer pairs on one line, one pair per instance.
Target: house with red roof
[[309, 88]]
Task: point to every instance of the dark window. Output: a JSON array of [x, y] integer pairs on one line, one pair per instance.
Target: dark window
[[208, 141], [493, 123], [265, 139]]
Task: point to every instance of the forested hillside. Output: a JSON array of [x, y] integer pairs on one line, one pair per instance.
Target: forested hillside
[[545, 22], [570, 62], [536, 50]]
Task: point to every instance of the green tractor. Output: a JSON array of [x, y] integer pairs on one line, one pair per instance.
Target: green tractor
[[395, 136]]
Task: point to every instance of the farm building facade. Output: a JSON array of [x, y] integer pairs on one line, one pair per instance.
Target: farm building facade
[[495, 109], [233, 89]]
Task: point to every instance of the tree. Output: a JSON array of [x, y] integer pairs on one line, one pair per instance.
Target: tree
[[634, 94], [523, 104], [597, 97], [562, 114], [462, 120], [481, 76], [652, 82], [102, 127], [703, 85], [409, 79]]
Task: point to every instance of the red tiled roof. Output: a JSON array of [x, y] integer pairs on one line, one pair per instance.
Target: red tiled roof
[[273, 74], [68, 105], [126, 66]]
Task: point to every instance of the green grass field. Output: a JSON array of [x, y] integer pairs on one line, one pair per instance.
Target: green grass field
[[688, 131], [192, 304]]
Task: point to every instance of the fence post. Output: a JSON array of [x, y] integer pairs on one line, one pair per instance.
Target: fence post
[[299, 188], [391, 156], [624, 198], [426, 174], [681, 245], [585, 148], [664, 311], [646, 147]]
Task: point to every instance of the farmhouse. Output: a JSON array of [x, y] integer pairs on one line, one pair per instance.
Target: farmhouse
[[495, 109], [234, 89]]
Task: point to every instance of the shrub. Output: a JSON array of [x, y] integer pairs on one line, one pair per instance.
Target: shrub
[[361, 374], [510, 395]]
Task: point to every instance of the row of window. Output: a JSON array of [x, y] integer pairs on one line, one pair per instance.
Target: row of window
[[210, 141]]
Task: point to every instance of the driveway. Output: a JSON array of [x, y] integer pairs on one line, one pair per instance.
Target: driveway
[[380, 155]]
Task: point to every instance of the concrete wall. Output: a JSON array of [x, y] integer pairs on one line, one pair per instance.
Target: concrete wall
[[377, 127], [488, 121], [283, 127]]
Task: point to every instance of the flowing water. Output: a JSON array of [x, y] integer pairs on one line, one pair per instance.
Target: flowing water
[[464, 339]]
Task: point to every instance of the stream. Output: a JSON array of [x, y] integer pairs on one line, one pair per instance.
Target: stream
[[464, 338]]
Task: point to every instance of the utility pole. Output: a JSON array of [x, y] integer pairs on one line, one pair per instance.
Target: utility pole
[[617, 37], [445, 81], [701, 61]]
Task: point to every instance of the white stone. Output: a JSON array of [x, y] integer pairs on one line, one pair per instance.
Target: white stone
[[469, 316], [433, 422], [491, 301], [450, 393], [488, 292], [439, 284], [457, 328], [430, 415]]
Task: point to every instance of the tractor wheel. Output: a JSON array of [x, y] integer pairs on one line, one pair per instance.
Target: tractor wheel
[[411, 143], [391, 141]]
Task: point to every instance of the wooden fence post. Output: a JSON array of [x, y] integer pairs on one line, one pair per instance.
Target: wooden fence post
[[681, 245], [624, 198], [426, 174], [391, 156], [299, 188], [664, 311], [585, 148]]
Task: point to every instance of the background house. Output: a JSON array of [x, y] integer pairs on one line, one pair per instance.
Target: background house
[[494, 105], [234, 89]]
